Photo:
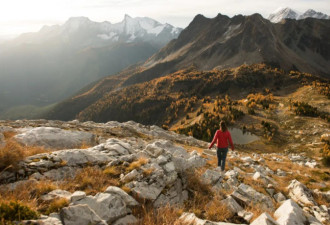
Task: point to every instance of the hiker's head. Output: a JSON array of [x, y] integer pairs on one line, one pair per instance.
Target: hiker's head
[[223, 126]]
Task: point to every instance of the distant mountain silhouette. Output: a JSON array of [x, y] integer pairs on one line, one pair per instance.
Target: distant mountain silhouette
[[52, 64]]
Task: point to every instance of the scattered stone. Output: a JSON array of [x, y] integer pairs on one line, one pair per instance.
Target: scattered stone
[[246, 195], [300, 193], [280, 173], [210, 177], [232, 205], [290, 213], [247, 216], [192, 219], [279, 197], [77, 195], [130, 176], [130, 201], [256, 175], [264, 219], [127, 220], [58, 193], [145, 191], [108, 207]]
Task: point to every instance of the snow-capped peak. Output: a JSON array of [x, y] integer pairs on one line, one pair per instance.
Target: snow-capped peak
[[312, 13], [284, 13], [287, 13]]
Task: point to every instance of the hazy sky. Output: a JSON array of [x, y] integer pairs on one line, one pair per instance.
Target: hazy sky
[[17, 16]]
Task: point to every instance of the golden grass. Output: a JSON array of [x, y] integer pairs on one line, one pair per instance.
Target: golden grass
[[215, 211], [157, 216], [9, 134], [201, 193], [113, 171], [91, 180], [55, 205], [257, 185], [28, 193], [148, 172], [13, 152], [137, 164]]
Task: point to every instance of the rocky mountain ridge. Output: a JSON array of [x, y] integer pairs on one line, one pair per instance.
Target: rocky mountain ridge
[[287, 13], [153, 166]]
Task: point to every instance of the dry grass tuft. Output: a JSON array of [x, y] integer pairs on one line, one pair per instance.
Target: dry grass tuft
[[13, 152], [257, 185], [157, 216], [54, 206], [91, 180], [148, 172], [28, 193], [113, 171], [137, 164], [44, 187], [200, 193], [215, 211], [126, 189], [9, 134]]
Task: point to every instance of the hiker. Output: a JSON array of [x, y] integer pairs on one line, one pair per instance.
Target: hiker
[[222, 137]]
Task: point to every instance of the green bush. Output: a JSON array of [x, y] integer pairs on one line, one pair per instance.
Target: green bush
[[14, 211]]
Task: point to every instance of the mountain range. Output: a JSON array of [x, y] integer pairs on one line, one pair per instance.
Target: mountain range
[[205, 45], [50, 65], [288, 13]]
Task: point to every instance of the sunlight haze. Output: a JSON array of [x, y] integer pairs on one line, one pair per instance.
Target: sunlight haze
[[19, 16]]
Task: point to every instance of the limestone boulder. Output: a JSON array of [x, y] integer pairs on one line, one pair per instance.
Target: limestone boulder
[[107, 206], [127, 220], [300, 193], [129, 200], [80, 214], [145, 191], [55, 138], [264, 219], [211, 176], [192, 219], [289, 213], [246, 195]]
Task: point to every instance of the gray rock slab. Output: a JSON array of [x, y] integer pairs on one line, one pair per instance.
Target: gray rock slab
[[264, 219], [80, 214], [50, 137]]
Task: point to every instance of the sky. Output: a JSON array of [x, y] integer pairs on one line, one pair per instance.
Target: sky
[[20, 16]]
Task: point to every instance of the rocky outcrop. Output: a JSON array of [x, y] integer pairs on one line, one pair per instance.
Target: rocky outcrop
[[264, 219], [192, 219], [54, 138], [300, 193]]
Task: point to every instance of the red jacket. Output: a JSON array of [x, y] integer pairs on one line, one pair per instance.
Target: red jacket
[[222, 139]]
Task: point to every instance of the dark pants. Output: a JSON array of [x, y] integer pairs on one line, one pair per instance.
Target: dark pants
[[222, 155]]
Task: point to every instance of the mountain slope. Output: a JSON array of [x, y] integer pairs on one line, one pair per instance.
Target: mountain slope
[[165, 99], [221, 42], [224, 42], [50, 65]]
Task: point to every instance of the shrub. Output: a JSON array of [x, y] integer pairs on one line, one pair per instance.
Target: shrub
[[15, 211]]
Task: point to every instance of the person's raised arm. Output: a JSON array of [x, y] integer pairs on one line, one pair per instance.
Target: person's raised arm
[[231, 141], [214, 139]]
